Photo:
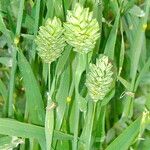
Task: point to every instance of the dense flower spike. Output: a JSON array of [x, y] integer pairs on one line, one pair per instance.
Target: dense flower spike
[[100, 78], [50, 41], [81, 30]]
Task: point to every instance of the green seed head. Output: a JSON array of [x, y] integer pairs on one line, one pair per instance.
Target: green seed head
[[50, 41], [81, 30], [100, 78]]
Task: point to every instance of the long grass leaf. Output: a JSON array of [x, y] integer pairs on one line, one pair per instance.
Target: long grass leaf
[[125, 139], [33, 95], [110, 45]]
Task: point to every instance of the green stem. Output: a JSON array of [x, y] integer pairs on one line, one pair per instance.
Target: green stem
[[77, 97], [81, 61], [90, 127], [20, 15], [71, 88], [49, 119], [49, 77], [102, 125], [36, 24], [76, 119]]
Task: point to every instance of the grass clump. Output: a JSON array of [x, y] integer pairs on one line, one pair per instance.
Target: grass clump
[[74, 75]]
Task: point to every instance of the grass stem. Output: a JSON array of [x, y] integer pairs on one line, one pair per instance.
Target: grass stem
[[14, 64]]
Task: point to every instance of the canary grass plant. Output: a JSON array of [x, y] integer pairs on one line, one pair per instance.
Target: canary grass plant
[[99, 78], [81, 29], [50, 41], [74, 75]]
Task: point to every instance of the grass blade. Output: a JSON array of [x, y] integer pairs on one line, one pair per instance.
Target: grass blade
[[124, 140], [25, 130], [4, 94], [110, 45], [33, 95]]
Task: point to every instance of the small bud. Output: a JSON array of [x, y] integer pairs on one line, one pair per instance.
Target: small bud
[[81, 30], [68, 99], [100, 78], [50, 41], [16, 40]]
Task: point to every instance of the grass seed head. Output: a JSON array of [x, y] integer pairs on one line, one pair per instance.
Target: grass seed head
[[50, 40], [81, 30], [100, 78]]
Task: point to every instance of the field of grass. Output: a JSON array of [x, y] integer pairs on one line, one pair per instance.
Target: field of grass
[[74, 74]]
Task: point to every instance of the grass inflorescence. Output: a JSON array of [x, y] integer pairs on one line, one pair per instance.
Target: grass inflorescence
[[74, 75]]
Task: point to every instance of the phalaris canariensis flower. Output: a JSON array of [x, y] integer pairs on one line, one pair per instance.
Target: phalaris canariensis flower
[[50, 40], [100, 78], [81, 30]]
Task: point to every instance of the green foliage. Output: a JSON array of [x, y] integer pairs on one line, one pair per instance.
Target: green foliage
[[74, 75], [35, 106]]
